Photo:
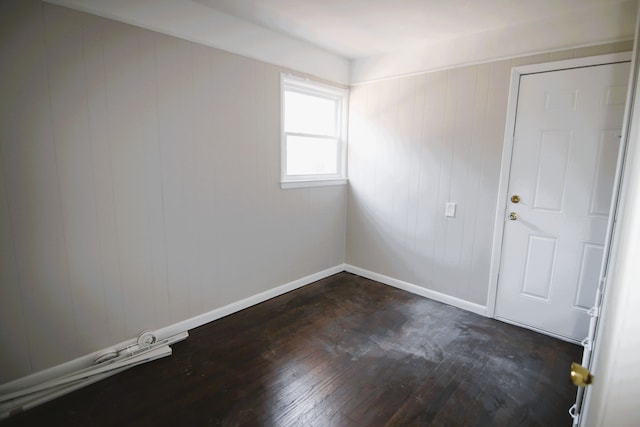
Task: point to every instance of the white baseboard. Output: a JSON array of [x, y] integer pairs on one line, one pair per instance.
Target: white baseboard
[[86, 361], [418, 290], [234, 307]]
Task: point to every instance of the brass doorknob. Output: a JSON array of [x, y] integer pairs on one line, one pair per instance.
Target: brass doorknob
[[580, 375], [513, 216], [515, 198]]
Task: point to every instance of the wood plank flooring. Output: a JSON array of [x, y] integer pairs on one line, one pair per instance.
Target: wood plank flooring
[[344, 351]]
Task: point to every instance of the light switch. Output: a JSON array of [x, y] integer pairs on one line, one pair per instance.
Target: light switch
[[450, 210]]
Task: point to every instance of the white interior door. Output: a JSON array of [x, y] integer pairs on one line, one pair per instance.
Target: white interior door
[[565, 148]]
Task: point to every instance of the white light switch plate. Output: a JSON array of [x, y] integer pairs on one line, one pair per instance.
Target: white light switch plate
[[450, 210]]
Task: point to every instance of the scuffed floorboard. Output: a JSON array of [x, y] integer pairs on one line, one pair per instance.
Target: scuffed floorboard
[[344, 351]]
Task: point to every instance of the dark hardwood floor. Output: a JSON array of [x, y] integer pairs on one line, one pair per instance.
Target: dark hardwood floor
[[344, 351]]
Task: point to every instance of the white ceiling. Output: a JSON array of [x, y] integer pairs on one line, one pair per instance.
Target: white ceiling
[[361, 28], [351, 41]]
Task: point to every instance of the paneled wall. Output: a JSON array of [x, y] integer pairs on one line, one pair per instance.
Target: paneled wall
[[416, 143], [139, 185]]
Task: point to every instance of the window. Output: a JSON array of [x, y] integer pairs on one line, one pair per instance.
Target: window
[[313, 133]]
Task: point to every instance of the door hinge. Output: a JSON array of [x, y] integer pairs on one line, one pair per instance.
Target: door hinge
[[575, 415], [586, 343], [601, 286]]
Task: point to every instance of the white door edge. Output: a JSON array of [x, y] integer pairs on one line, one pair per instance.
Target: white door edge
[[590, 358], [507, 148]]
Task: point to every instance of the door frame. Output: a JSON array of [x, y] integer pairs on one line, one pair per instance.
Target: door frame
[[507, 150]]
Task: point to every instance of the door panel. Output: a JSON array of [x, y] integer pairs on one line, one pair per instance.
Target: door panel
[[553, 159], [540, 263], [589, 272], [606, 162], [563, 165]]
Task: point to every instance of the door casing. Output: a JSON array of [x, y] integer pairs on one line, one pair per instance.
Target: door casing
[[507, 149]]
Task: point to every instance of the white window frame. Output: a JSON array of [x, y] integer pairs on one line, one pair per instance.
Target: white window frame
[[293, 83]]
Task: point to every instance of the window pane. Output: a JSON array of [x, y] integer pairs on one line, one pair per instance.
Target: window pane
[[309, 114], [311, 156]]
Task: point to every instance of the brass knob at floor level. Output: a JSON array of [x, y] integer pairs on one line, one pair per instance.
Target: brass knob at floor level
[[580, 375], [513, 216]]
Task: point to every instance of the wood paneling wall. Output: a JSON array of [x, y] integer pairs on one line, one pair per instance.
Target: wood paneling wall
[[139, 182], [416, 143], [139, 185]]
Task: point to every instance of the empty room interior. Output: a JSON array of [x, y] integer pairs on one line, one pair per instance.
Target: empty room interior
[[335, 213]]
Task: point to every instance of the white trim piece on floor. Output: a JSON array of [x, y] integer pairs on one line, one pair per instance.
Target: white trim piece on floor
[[59, 374], [31, 397], [418, 290]]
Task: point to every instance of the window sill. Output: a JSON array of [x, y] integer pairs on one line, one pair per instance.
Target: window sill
[[314, 183]]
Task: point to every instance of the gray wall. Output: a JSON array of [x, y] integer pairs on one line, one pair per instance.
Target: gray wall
[[139, 185], [416, 143], [139, 182]]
